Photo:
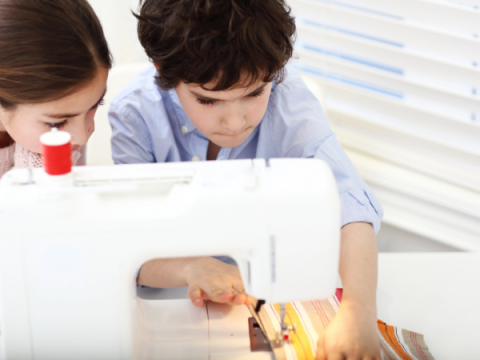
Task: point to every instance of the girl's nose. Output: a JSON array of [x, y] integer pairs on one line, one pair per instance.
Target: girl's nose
[[83, 130]]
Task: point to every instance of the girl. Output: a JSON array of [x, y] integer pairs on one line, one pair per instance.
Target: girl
[[54, 63]]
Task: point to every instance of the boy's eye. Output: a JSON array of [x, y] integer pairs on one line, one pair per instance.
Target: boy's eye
[[257, 93], [205, 102], [57, 125]]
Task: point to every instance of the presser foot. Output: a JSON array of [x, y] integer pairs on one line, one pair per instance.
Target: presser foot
[[285, 335]]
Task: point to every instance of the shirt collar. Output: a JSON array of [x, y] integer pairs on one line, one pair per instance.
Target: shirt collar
[[186, 125], [274, 86]]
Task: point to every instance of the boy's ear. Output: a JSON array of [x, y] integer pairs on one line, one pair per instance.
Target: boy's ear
[[157, 66]]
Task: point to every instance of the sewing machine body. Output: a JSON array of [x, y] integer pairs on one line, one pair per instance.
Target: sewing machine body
[[70, 246]]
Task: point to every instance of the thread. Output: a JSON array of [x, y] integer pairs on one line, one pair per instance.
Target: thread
[[56, 152]]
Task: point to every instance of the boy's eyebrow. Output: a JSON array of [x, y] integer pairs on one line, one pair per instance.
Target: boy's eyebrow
[[63, 116], [213, 99]]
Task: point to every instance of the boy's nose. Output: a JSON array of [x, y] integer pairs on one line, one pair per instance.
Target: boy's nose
[[234, 122]]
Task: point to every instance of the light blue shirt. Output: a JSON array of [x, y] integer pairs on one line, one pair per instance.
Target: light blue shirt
[[149, 125]]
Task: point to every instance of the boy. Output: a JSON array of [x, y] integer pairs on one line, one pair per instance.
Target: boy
[[220, 89]]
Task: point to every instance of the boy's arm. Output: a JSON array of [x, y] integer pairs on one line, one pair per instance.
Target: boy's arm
[[352, 334], [207, 279]]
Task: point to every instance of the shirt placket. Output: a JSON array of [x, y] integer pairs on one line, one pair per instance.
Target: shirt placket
[[198, 146], [224, 154]]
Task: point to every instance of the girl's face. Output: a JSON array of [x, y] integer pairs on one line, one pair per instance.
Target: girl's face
[[73, 113]]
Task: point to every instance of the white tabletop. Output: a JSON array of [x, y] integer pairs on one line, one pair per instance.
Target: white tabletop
[[437, 295]]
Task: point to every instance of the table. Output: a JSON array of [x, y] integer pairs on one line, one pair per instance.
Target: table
[[435, 294]]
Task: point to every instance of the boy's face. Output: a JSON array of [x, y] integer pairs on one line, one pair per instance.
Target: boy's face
[[226, 117]]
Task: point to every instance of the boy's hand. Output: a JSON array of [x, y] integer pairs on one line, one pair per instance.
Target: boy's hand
[[352, 334], [211, 279]]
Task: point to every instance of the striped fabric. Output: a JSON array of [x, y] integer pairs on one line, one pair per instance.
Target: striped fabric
[[312, 317]]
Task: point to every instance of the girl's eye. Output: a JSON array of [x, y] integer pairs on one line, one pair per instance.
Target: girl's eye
[[100, 103], [57, 125], [205, 102]]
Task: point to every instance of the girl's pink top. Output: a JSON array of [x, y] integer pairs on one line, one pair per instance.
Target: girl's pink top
[[6, 159], [17, 157]]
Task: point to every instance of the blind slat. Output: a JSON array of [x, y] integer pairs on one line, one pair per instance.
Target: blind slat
[[429, 121], [445, 195], [440, 14], [385, 144], [459, 140], [461, 78], [424, 94], [388, 30], [411, 207], [473, 3], [427, 220]]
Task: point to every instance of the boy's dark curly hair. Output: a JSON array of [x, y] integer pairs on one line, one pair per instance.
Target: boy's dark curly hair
[[230, 42]]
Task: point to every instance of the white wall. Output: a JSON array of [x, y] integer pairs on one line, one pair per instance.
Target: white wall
[[393, 239], [120, 28]]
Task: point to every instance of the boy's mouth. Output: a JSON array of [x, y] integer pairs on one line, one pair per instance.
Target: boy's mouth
[[236, 134]]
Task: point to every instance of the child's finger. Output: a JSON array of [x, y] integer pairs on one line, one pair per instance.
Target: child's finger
[[195, 295], [239, 299], [321, 355], [250, 300], [220, 296], [368, 357], [336, 356], [239, 288]]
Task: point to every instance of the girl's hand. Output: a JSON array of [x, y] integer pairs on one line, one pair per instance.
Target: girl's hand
[[351, 335], [212, 279]]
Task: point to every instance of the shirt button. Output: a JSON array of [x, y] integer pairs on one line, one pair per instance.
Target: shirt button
[[195, 158], [184, 129]]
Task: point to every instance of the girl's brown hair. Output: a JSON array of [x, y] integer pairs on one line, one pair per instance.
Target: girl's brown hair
[[229, 42], [48, 49]]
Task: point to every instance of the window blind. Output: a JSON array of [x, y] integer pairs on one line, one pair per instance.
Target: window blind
[[400, 84]]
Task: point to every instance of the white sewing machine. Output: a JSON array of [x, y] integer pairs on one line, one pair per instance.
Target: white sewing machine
[[70, 245]]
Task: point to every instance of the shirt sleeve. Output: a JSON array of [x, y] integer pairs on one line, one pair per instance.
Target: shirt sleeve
[[303, 131], [131, 141], [358, 202]]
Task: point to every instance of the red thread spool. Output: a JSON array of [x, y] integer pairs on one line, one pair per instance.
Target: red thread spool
[[56, 152]]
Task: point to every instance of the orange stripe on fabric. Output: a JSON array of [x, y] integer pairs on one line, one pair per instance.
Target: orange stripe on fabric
[[388, 333], [300, 340]]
